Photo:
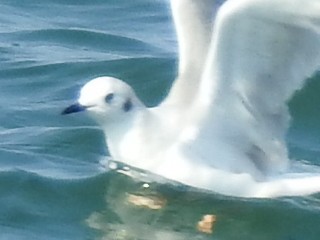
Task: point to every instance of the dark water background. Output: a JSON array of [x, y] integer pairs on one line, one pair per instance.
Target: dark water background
[[52, 183]]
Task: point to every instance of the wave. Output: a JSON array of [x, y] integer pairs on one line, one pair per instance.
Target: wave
[[85, 38]]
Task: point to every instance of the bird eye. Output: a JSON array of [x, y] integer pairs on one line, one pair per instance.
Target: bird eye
[[109, 97]]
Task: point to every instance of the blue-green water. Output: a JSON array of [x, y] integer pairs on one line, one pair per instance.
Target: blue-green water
[[52, 184]]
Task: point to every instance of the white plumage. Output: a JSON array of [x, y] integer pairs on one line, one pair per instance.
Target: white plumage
[[223, 125]]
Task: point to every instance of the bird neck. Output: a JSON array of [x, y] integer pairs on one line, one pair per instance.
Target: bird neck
[[126, 140]]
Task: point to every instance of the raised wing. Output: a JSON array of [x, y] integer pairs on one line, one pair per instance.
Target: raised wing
[[261, 53], [193, 23]]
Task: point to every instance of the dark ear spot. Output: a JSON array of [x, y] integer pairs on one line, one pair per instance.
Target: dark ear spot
[[127, 106]]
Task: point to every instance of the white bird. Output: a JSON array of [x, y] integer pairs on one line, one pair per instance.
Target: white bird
[[222, 127]]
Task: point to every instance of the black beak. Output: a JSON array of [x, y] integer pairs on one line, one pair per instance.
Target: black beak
[[77, 107]]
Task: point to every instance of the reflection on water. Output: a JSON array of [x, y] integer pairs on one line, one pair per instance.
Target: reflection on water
[[138, 208]]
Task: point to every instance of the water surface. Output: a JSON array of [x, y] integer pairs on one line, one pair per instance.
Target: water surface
[[52, 182]]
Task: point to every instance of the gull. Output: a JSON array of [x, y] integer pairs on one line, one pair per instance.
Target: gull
[[222, 126]]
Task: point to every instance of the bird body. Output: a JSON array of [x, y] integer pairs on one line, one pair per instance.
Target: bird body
[[222, 126]]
